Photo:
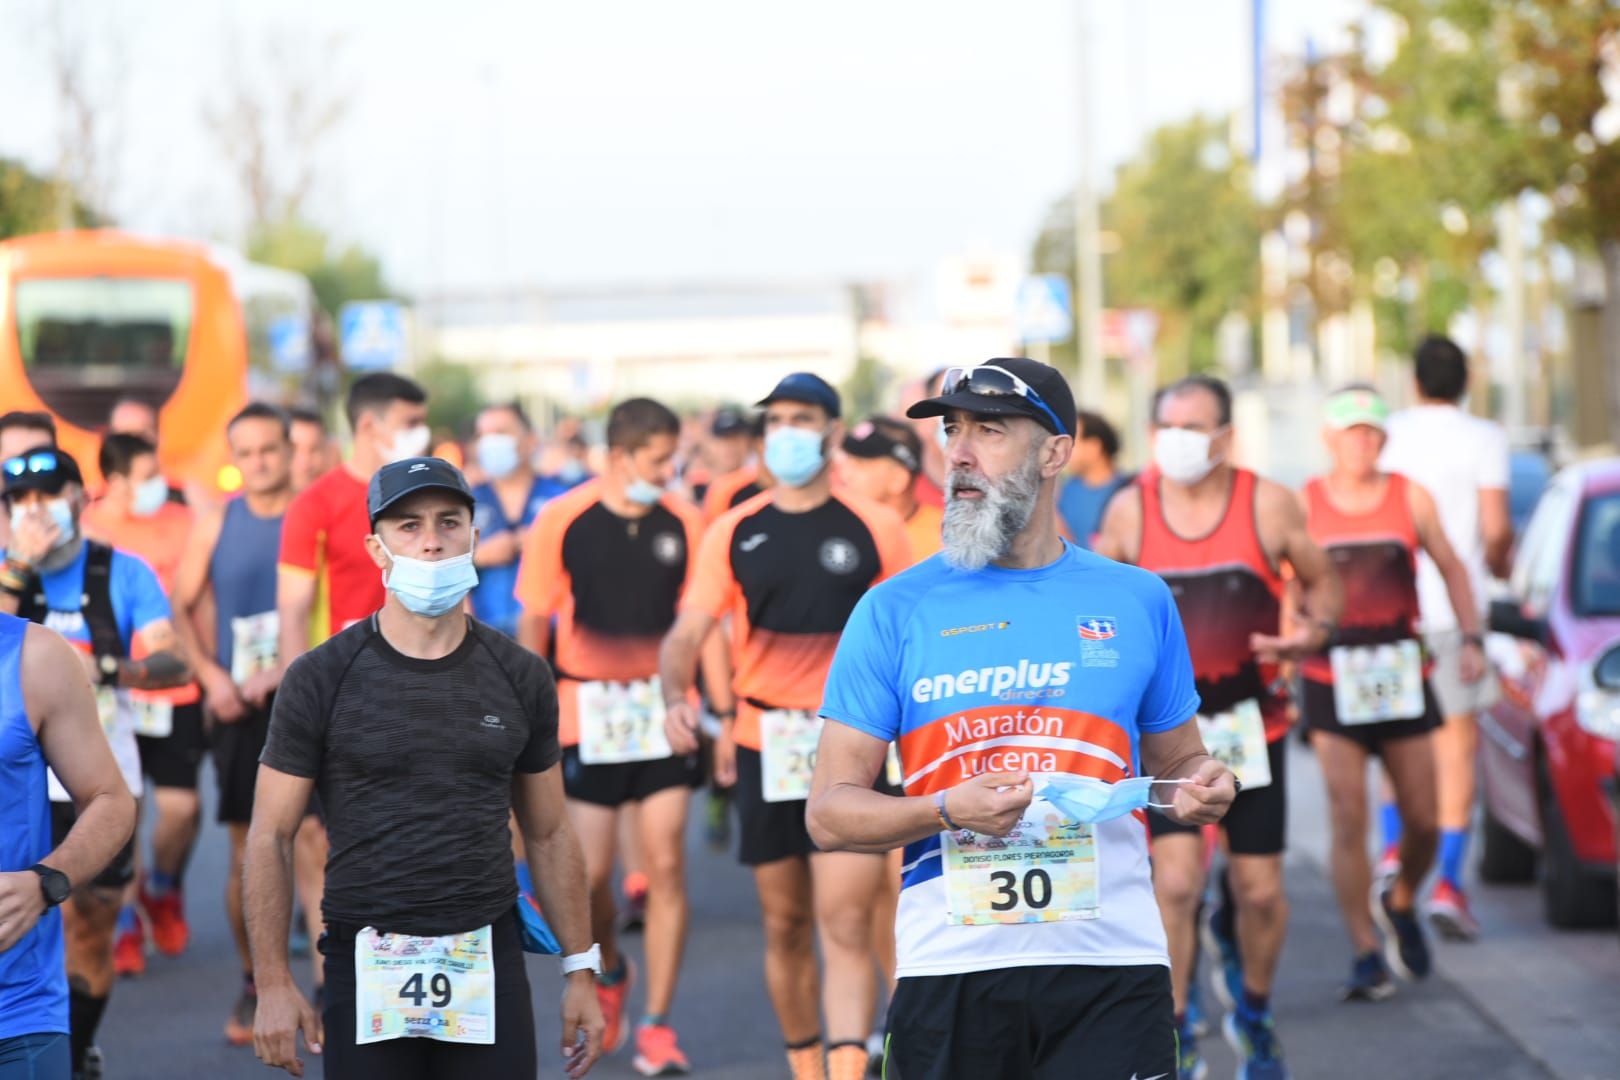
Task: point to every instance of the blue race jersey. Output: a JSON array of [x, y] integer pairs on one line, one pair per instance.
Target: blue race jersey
[[493, 600], [1081, 506]]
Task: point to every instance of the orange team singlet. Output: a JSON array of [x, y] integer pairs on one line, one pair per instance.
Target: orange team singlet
[[1226, 589], [324, 534], [730, 491], [1376, 556], [789, 582], [159, 541], [613, 583]]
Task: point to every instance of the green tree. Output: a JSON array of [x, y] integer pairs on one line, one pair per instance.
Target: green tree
[[28, 202], [864, 391], [454, 396], [337, 276]]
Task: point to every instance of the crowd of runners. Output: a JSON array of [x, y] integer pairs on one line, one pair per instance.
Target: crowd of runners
[[998, 728]]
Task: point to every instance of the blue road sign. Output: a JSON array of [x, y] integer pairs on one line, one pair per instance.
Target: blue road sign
[[289, 343], [1045, 310], [372, 335]]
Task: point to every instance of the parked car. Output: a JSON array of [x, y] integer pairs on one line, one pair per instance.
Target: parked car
[[1548, 747]]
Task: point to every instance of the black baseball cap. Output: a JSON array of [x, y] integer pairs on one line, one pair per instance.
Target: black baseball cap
[[1052, 406], [885, 437], [399, 479], [730, 420], [807, 389], [45, 469]]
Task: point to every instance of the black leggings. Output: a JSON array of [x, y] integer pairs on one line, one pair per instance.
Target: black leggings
[[512, 1054]]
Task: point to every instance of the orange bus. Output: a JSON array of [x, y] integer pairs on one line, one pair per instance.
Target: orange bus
[[89, 317]]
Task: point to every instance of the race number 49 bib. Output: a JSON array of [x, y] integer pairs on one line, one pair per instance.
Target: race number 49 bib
[[787, 755], [1045, 870], [253, 644], [621, 721], [424, 987], [1375, 683], [1237, 739]]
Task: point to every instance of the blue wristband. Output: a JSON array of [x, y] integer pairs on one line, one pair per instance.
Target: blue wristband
[[939, 808]]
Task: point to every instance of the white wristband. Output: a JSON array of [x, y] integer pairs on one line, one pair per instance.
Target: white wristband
[[589, 960]]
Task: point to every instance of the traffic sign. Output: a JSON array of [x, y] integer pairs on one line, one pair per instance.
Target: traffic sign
[[1045, 309], [289, 343], [372, 335]]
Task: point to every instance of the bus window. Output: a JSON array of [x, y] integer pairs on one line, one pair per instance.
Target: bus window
[[114, 323]]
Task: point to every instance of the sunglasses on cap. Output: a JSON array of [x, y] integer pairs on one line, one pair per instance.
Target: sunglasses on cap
[[987, 380], [41, 461]]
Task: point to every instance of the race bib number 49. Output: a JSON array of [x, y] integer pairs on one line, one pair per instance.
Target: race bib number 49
[[424, 987], [1045, 870], [787, 755], [1375, 683], [1237, 739], [621, 721]]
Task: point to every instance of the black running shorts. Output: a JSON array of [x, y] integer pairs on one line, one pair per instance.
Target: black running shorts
[[1321, 714], [766, 831], [236, 764], [512, 1053], [1257, 823], [1034, 1023], [631, 781], [174, 760], [116, 874]]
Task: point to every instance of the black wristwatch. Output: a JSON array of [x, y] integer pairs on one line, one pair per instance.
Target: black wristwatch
[[53, 884]]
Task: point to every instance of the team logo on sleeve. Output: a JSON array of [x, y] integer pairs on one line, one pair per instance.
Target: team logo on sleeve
[[838, 556], [1097, 634]]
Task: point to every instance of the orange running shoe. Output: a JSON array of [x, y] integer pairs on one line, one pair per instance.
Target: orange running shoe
[[656, 1052], [167, 914], [634, 919], [129, 952], [239, 1025], [615, 1032]]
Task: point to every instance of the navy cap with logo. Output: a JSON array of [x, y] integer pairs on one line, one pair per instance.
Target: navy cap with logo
[[400, 479], [885, 437], [730, 420], [45, 469], [807, 389], [1005, 386]]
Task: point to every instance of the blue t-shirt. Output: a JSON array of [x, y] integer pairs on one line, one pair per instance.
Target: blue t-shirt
[[1056, 670], [137, 598], [493, 600], [1081, 506]]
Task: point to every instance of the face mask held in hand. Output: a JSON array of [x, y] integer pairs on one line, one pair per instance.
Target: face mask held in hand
[[1088, 800]]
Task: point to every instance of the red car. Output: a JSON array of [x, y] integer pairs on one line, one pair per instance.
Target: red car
[[1548, 748]]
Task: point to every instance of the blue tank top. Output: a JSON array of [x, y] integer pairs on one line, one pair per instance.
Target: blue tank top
[[33, 982], [243, 572]]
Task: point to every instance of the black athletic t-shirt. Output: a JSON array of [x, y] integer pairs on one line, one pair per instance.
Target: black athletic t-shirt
[[414, 761]]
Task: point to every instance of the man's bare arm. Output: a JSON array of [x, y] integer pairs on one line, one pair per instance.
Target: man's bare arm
[[164, 664], [845, 814], [555, 858], [1284, 536], [1432, 536], [295, 604], [190, 582], [1179, 754], [678, 656], [1496, 530], [1119, 537], [279, 802]]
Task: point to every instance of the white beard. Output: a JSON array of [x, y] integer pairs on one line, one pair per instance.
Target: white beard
[[979, 531]]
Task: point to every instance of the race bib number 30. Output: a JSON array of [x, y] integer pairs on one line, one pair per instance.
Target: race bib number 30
[[787, 754], [1375, 683], [621, 722], [1237, 739], [1045, 870], [424, 987]]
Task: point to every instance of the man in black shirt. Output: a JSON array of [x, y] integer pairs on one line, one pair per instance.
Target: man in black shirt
[[422, 729]]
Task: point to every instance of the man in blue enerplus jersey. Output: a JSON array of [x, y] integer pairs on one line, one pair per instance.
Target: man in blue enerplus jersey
[[504, 506], [1027, 682]]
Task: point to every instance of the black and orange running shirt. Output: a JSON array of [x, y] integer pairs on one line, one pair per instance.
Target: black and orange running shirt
[[1226, 588], [1376, 556], [613, 583], [789, 582]]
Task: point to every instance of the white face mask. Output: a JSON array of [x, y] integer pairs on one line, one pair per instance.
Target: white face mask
[[412, 442], [1183, 455], [148, 497]]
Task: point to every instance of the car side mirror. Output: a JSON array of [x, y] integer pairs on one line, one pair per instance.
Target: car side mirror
[[1507, 617]]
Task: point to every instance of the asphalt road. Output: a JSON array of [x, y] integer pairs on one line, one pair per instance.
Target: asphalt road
[[1525, 1003]]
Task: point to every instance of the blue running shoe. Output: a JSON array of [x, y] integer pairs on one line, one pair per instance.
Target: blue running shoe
[[1221, 943], [1190, 1065], [1369, 980], [1197, 1022], [1253, 1038], [1405, 946]]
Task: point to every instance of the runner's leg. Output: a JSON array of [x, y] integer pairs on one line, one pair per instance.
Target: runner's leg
[[790, 960], [1262, 916], [1410, 763], [1178, 882], [174, 832], [883, 916], [1456, 742], [846, 890], [662, 829], [233, 895], [88, 921], [597, 829], [1344, 772]]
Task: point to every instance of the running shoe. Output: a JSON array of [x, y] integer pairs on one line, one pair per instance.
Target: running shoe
[[1190, 1064], [1389, 864], [612, 999], [1197, 1022], [1254, 1040], [1369, 980], [167, 914], [1405, 947], [635, 903], [1449, 913], [239, 1025], [95, 1065], [129, 952], [1220, 939], [656, 1052]]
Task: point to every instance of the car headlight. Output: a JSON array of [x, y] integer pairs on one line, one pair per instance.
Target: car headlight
[[1597, 706]]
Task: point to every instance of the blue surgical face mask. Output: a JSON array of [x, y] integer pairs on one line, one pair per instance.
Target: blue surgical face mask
[[149, 497], [643, 493], [497, 455], [794, 455], [1088, 800], [572, 471], [430, 588], [61, 514]]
